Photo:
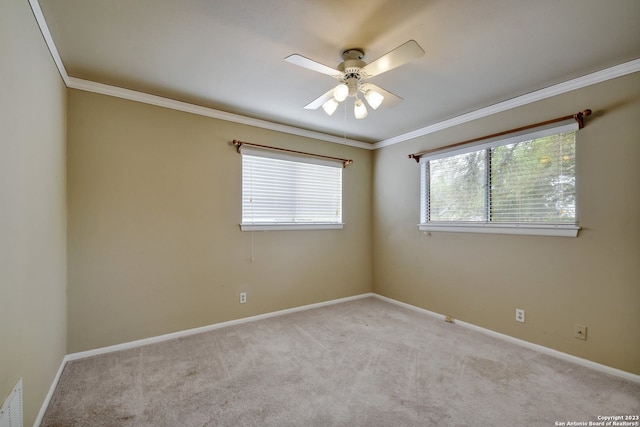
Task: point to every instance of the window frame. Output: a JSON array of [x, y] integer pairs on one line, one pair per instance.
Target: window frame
[[518, 228], [294, 158]]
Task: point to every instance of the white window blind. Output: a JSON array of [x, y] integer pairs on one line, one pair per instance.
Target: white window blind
[[534, 181], [524, 181], [457, 187], [286, 191]]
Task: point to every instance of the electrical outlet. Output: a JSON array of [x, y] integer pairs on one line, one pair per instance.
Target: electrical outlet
[[520, 315], [243, 297], [580, 332]]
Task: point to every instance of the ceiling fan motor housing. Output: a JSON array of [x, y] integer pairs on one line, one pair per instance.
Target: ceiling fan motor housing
[[351, 69]]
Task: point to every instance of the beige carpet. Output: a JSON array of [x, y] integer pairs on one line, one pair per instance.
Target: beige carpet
[[361, 363]]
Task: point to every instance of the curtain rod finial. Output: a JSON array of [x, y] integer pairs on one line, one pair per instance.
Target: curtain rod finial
[[579, 117]]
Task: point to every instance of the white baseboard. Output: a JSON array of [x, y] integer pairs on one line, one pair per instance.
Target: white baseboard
[[536, 347], [166, 337], [138, 343], [187, 332], [49, 395]]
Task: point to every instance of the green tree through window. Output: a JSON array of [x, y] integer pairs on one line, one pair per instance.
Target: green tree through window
[[530, 181], [457, 187], [534, 181]]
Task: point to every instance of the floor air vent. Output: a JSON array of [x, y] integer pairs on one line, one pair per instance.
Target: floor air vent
[[11, 412]]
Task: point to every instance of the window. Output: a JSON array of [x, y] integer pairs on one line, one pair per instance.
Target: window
[[523, 184], [282, 191]]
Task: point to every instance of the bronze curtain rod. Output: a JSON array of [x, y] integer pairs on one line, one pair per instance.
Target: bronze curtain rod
[[579, 117], [239, 144]]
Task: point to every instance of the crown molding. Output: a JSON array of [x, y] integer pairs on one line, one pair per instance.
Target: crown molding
[[44, 29], [548, 92], [132, 95]]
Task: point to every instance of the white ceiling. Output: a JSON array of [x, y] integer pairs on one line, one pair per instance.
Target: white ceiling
[[229, 54]]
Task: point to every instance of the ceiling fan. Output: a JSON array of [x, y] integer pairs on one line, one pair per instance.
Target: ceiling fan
[[352, 74]]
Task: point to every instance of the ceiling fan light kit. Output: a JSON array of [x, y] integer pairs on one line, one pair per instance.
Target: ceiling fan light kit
[[341, 92], [352, 74], [359, 109], [330, 106], [373, 98]]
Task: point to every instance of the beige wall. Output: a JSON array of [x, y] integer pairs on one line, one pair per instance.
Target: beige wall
[[32, 209], [593, 279], [154, 242]]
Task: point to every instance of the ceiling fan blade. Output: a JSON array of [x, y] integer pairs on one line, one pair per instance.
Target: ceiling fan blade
[[311, 65], [397, 57], [390, 100], [317, 103]]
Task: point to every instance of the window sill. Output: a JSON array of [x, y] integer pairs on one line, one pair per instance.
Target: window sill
[[282, 227], [558, 230]]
